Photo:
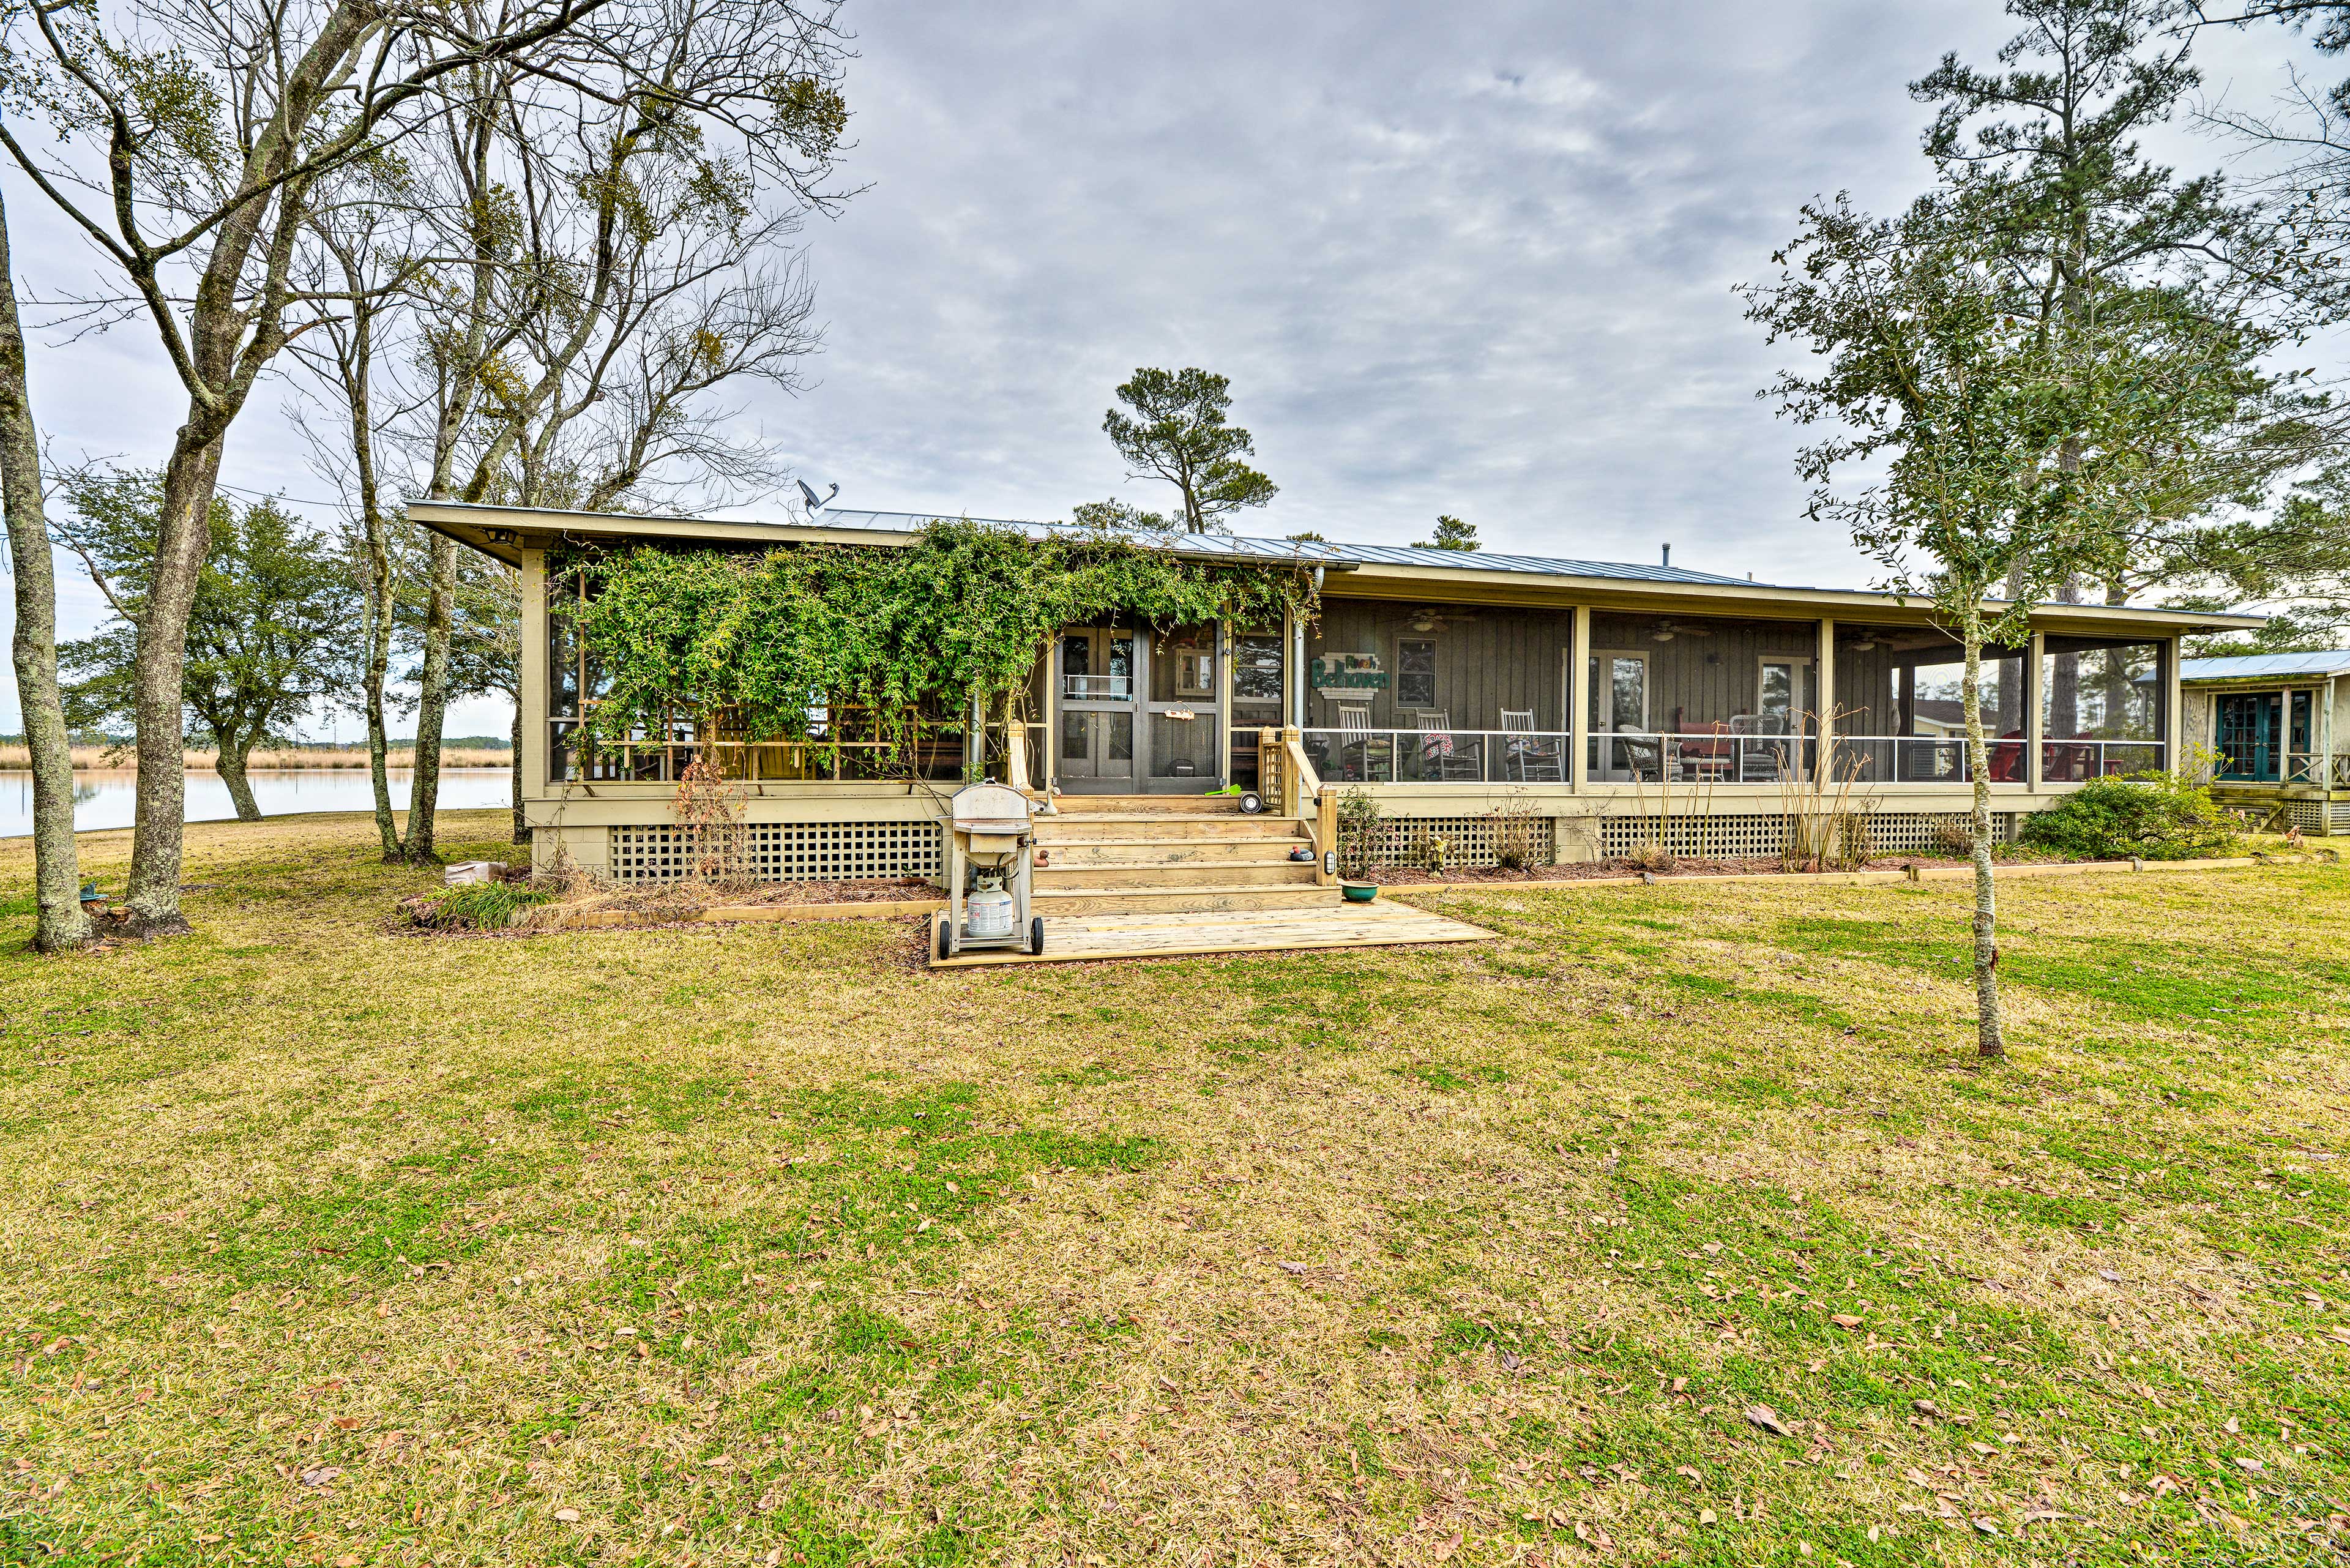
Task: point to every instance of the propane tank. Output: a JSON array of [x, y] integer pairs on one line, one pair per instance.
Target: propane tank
[[988, 911]]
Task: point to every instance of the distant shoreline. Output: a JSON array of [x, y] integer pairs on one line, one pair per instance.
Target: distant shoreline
[[102, 759]]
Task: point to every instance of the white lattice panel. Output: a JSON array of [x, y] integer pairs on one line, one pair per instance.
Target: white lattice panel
[[1468, 840], [1729, 837], [790, 851], [2316, 815]]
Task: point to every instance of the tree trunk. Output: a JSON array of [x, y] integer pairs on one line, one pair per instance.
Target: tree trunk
[[378, 634], [1988, 1038], [57, 869], [379, 587], [233, 750], [521, 829], [156, 835], [432, 705]]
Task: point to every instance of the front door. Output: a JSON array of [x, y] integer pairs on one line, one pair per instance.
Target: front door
[[1097, 699], [2249, 732]]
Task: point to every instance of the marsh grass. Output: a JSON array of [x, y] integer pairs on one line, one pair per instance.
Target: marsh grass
[[320, 1244]]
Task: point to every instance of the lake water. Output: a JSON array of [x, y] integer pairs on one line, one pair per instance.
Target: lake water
[[105, 797]]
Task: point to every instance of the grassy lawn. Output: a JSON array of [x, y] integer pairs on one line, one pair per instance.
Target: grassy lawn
[[760, 1244]]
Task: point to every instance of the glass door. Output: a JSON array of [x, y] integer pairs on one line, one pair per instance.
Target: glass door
[[1096, 701], [2248, 736], [1621, 747]]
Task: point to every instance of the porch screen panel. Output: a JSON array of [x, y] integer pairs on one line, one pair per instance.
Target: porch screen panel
[[1259, 658], [1899, 714], [1469, 662], [1688, 699], [2101, 702]]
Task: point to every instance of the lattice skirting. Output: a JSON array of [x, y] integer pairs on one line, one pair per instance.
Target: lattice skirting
[[1468, 840], [1728, 838], [791, 851], [2326, 817]]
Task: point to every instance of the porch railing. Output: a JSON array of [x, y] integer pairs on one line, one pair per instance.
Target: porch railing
[[1510, 756], [2072, 762], [2317, 768], [1438, 756], [842, 745], [1702, 756]]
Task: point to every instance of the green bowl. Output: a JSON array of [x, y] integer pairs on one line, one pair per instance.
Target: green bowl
[[1359, 892]]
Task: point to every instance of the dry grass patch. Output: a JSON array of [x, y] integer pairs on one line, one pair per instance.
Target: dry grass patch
[[737, 1245]]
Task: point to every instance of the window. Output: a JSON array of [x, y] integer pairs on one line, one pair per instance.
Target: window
[[1416, 673]]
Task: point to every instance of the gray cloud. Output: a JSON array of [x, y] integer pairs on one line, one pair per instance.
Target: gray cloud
[[1471, 258]]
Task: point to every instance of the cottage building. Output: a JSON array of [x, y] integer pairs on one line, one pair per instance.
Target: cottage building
[[1587, 706], [2274, 731]]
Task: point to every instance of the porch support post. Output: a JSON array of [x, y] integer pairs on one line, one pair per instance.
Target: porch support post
[[2171, 723], [1223, 690], [2034, 657], [1823, 694], [1578, 700], [531, 761], [1294, 630], [1052, 706]]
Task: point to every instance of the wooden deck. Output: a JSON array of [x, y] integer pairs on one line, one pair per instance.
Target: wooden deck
[[1076, 939]]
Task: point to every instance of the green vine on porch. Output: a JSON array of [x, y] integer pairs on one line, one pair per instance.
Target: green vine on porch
[[965, 610]]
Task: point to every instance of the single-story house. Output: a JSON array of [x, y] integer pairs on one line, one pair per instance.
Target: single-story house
[[1592, 706], [2276, 730]]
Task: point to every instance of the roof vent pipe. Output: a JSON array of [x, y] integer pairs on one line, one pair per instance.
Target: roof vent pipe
[[1668, 555]]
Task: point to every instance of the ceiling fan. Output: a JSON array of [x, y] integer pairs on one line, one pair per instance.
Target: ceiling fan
[[1667, 629], [1430, 618]]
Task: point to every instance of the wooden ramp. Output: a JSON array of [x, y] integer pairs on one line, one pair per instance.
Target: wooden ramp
[[1076, 939]]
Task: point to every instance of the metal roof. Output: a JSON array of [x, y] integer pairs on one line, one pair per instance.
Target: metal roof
[[1325, 552], [2259, 666]]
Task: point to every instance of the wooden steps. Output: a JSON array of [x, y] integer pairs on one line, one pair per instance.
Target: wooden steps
[[1112, 855], [1195, 899]]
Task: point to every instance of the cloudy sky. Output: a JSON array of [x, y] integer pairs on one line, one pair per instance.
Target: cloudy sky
[[1473, 258]]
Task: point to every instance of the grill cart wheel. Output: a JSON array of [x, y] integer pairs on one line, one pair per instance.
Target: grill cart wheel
[[945, 951], [1037, 935]]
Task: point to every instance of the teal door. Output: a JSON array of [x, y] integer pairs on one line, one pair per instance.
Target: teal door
[[2251, 728]]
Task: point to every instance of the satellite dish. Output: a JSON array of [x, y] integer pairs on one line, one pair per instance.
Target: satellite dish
[[816, 503]]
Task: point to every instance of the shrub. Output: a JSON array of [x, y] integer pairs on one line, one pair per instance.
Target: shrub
[[1358, 832], [473, 906], [2153, 816]]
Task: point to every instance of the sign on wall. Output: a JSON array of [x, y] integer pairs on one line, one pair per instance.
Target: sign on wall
[[1348, 674]]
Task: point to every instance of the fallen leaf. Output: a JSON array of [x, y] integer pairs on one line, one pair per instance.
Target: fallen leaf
[[1447, 1547], [1844, 1320], [1986, 1526], [1706, 1516], [1925, 1406], [2250, 1464], [1687, 1470], [1767, 1418], [1287, 1267], [320, 1476], [567, 1515]]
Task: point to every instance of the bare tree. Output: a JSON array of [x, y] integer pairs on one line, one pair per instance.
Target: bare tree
[[191, 137], [598, 279]]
